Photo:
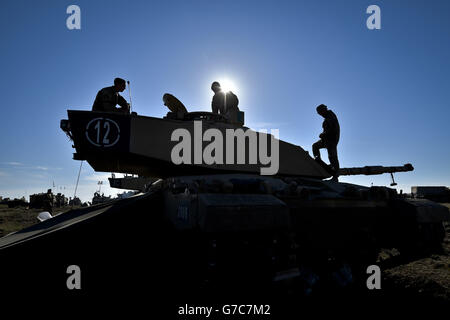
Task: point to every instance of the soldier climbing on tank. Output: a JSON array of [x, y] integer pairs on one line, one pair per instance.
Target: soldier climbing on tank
[[329, 138], [224, 103], [107, 98], [176, 107]]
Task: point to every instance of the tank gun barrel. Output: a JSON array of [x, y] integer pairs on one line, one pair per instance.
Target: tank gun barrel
[[372, 170]]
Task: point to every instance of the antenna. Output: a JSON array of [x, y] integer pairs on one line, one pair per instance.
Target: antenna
[[129, 93], [76, 186]]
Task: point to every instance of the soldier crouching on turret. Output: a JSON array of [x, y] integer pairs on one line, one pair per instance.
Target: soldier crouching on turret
[[329, 138], [176, 107], [107, 98], [224, 103]]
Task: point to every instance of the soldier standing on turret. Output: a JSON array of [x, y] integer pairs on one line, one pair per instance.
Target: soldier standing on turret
[[329, 138]]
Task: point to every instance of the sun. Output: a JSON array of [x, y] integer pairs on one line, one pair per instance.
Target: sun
[[227, 85]]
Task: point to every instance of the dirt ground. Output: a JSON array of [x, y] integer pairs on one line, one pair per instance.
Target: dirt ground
[[428, 277], [15, 219]]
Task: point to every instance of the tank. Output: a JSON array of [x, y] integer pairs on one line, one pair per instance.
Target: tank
[[97, 198], [40, 200], [210, 229]]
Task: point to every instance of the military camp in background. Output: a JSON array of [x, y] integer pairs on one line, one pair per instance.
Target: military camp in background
[[74, 202], [97, 199], [13, 203], [61, 200], [48, 200], [17, 203], [42, 201], [433, 193]]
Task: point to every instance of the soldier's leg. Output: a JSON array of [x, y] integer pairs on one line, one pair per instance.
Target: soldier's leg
[[316, 148], [333, 157]]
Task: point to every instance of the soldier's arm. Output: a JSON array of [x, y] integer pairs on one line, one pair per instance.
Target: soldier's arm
[[214, 106], [97, 106], [326, 126], [123, 103]]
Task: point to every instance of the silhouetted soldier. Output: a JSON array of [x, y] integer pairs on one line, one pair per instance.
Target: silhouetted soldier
[[224, 103], [329, 138], [107, 98], [175, 106]]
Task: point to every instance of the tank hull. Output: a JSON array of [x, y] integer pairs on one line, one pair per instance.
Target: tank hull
[[199, 236]]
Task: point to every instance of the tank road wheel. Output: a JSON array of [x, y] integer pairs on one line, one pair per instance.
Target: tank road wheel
[[245, 261], [339, 268]]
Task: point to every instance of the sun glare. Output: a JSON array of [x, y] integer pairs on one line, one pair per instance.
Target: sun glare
[[227, 85]]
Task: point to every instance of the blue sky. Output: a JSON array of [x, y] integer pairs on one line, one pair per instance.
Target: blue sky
[[390, 88]]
